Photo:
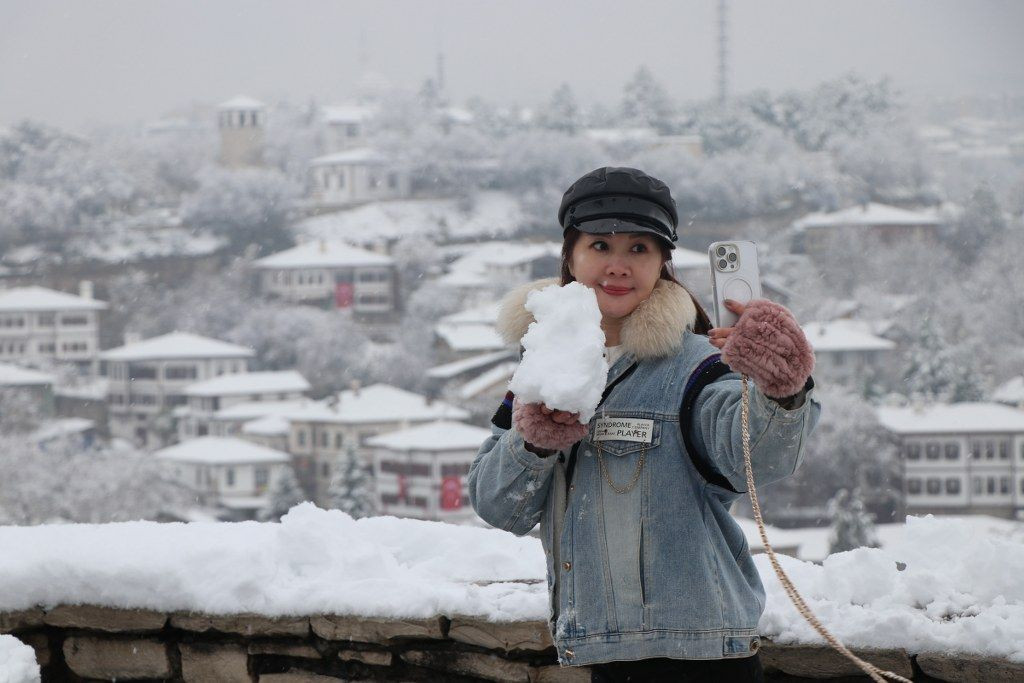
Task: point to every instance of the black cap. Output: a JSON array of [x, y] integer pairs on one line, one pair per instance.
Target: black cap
[[619, 199]]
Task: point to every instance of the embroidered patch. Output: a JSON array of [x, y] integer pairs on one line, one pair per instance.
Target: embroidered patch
[[624, 429]]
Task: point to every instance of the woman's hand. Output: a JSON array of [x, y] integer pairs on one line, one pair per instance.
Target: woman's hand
[[545, 428], [766, 344]]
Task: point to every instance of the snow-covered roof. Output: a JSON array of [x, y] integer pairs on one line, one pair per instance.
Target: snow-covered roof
[[487, 314], [241, 102], [867, 215], [62, 427], [323, 254], [456, 368], [220, 450], [43, 299], [176, 345], [347, 113], [688, 258], [844, 335], [378, 403], [242, 502], [499, 374], [952, 418], [250, 410], [270, 425], [363, 155], [16, 376], [284, 381], [473, 267], [491, 213], [1011, 391], [615, 135], [443, 435], [472, 337]]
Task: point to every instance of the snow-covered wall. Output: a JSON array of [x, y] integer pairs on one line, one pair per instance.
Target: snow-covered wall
[[919, 599]]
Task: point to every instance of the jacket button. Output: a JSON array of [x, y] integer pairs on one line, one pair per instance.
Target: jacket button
[[754, 644], [567, 565], [569, 654]]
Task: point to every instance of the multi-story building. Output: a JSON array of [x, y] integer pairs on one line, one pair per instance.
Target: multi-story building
[[847, 352], [332, 274], [207, 398], [814, 233], [147, 380], [421, 471], [233, 475], [355, 176], [345, 126], [323, 434], [241, 122], [39, 324], [960, 458]]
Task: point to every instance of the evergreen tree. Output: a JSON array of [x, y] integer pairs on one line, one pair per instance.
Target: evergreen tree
[[351, 489], [982, 221], [939, 370], [561, 113], [284, 495], [852, 527], [645, 102]]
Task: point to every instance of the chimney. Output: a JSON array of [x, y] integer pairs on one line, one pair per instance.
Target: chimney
[[85, 289], [354, 385]]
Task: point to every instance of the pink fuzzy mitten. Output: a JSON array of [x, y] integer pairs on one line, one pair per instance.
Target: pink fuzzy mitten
[[542, 431], [768, 345]]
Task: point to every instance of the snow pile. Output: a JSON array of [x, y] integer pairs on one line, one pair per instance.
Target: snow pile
[[315, 561], [563, 363], [959, 591], [17, 661]]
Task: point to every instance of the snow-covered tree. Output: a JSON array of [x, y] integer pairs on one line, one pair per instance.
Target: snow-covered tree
[[980, 222], [351, 489], [645, 102], [851, 526], [940, 369], [561, 112], [285, 494]]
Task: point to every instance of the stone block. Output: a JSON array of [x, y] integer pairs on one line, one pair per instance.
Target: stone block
[[966, 667], [25, 618], [116, 659], [353, 628], [299, 677], [242, 624], [524, 635], [488, 667], [209, 663], [823, 661], [560, 674], [300, 650], [110, 619], [371, 657], [40, 644]]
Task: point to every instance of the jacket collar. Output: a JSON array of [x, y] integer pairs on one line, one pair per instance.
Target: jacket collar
[[653, 330]]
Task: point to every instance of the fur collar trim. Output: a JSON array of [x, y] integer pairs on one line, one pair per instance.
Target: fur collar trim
[[653, 330]]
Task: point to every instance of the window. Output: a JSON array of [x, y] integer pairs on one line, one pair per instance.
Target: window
[[261, 476], [374, 181], [74, 320], [991, 485], [913, 451], [934, 486], [323, 439], [838, 358], [952, 486], [45, 319], [231, 476], [932, 451], [301, 436], [976, 483], [1004, 449], [351, 130], [392, 181], [141, 372], [176, 400], [1004, 485], [454, 470], [180, 372], [325, 470], [47, 347], [990, 450], [952, 451], [414, 469], [338, 440], [199, 477], [976, 449]]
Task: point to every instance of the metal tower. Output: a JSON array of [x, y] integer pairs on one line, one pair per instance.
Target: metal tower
[[723, 51]]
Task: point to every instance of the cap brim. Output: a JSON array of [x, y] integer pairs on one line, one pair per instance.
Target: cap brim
[[610, 226]]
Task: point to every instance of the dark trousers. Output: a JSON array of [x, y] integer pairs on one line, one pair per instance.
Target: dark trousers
[[663, 670]]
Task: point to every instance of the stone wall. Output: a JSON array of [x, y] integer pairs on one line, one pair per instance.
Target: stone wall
[[75, 643]]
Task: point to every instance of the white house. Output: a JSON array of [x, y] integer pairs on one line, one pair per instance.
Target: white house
[[322, 433], [332, 273], [421, 471], [147, 380], [960, 458], [345, 126], [36, 386], [227, 473], [490, 268], [40, 324], [847, 352], [813, 233], [206, 399], [355, 176]]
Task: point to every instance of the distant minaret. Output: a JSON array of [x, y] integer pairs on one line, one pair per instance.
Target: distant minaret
[[241, 121], [723, 54], [440, 74]]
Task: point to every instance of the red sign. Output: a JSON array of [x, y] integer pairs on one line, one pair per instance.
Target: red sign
[[451, 493], [403, 489], [343, 294]]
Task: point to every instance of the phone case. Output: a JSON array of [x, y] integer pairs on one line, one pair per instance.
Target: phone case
[[734, 275]]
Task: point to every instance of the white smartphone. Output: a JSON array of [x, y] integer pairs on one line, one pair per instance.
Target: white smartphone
[[734, 275]]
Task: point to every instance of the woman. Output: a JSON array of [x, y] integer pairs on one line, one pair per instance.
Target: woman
[[649, 576]]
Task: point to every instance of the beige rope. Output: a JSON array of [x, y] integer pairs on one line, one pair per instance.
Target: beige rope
[[871, 670]]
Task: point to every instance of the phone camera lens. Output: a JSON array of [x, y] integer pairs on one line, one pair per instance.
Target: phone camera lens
[[732, 257], [721, 251], [723, 264]]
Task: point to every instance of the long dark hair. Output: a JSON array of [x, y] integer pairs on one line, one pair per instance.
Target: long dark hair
[[700, 326]]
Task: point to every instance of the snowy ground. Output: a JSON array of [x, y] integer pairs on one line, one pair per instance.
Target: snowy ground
[[958, 589], [17, 661]]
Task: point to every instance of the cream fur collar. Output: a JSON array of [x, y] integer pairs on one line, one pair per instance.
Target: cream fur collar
[[653, 330]]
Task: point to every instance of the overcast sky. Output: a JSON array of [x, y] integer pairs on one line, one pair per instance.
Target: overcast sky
[[71, 62]]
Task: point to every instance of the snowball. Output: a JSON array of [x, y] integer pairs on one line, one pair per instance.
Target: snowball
[[17, 662], [563, 363]]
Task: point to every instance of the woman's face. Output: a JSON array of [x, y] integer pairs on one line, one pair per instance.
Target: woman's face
[[621, 268]]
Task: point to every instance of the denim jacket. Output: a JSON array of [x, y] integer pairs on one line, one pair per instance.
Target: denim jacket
[[643, 558]]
